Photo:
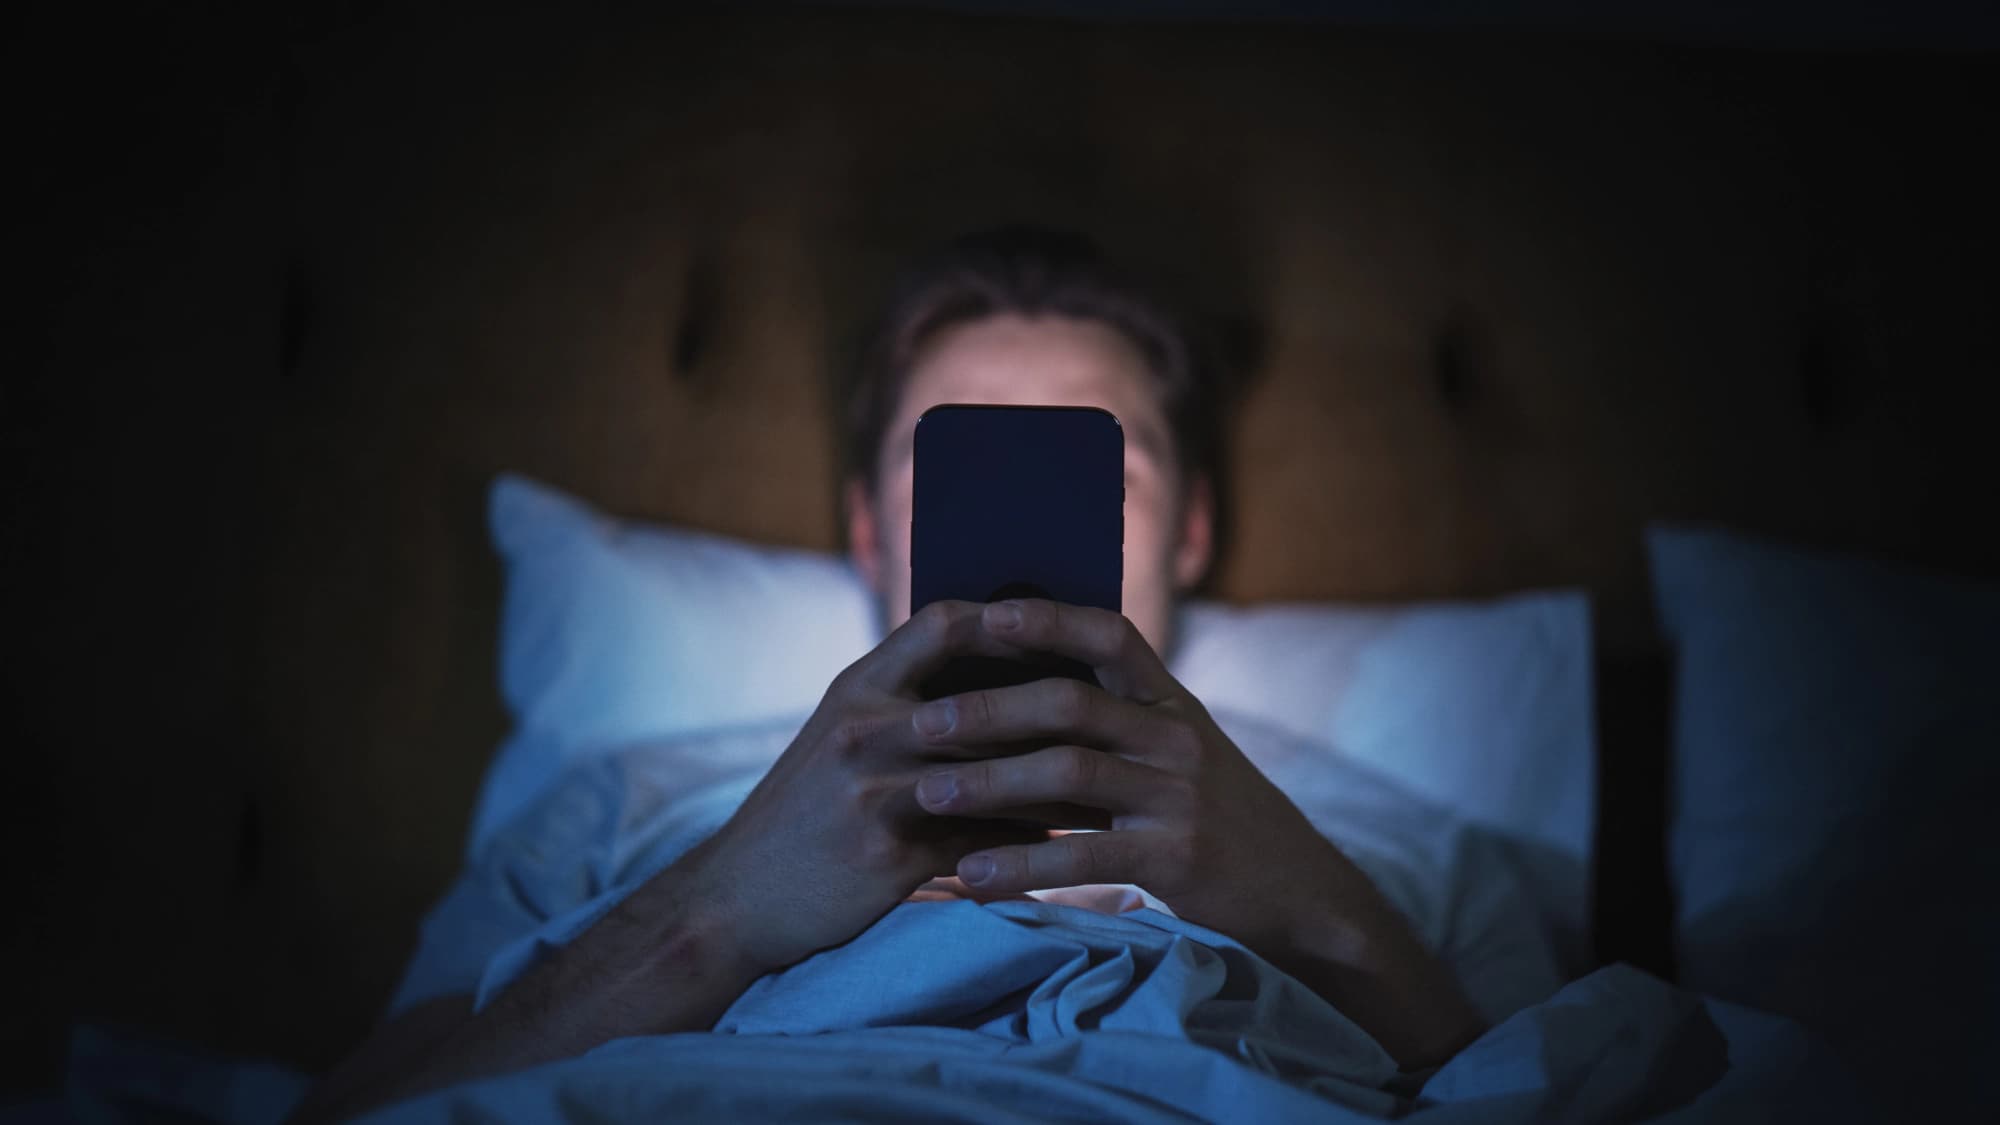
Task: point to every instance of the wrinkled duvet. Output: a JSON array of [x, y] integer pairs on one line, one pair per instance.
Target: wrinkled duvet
[[1038, 1009], [1033, 1011]]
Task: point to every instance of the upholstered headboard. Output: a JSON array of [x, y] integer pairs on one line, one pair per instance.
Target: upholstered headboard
[[1503, 301], [1499, 301]]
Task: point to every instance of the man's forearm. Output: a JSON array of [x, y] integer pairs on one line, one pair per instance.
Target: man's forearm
[[1362, 958], [661, 961], [656, 963]]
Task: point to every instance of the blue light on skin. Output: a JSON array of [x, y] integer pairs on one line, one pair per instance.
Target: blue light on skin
[[1055, 361]]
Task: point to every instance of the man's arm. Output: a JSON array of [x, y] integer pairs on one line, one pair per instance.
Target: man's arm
[[1362, 958], [385, 1064], [660, 961], [831, 839], [1192, 820]]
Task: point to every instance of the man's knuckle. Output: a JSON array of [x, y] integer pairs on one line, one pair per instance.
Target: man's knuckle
[[1048, 617], [1011, 868], [1093, 856], [1187, 738], [852, 735], [1039, 866], [974, 782], [845, 680], [1071, 703], [935, 614], [1078, 769], [857, 792], [1177, 855], [1178, 744], [975, 711], [1177, 793], [933, 621], [879, 850], [1129, 642]]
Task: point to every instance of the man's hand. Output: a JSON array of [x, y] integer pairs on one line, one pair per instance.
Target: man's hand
[[1191, 820], [833, 837], [828, 842]]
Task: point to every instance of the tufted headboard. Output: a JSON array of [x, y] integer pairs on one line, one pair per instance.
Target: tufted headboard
[[1496, 302]]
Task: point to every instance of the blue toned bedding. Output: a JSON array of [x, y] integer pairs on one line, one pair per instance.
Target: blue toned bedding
[[1044, 1011], [1038, 1010]]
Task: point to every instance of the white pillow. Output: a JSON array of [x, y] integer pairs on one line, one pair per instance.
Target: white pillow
[[615, 632], [1836, 731]]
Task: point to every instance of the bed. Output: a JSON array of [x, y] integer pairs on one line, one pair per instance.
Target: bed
[[1497, 332], [1832, 720]]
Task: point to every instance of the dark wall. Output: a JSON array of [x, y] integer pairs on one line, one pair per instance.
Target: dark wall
[[297, 286], [145, 251]]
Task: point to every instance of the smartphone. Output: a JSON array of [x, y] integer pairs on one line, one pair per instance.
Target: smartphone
[[1016, 502]]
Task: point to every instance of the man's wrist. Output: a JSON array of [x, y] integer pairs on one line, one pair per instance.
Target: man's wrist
[[660, 961], [689, 934], [1360, 955]]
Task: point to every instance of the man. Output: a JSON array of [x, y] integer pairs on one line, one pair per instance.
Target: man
[[882, 799]]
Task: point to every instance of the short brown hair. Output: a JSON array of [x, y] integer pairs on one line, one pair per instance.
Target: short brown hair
[[1030, 271]]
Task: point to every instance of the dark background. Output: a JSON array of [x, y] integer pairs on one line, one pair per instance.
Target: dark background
[[293, 285]]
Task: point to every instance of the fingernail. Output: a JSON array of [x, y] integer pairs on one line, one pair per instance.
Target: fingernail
[[1003, 617], [938, 788], [937, 717], [975, 869]]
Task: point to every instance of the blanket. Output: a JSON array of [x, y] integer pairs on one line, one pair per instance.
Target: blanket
[[1034, 1011], [1042, 1010]]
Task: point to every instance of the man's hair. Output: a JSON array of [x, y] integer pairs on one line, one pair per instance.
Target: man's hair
[[1031, 271]]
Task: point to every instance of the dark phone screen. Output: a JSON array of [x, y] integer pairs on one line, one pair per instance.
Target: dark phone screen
[[1016, 501]]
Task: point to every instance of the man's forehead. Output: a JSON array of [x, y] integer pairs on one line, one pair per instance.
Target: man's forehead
[[1049, 361], [1142, 436]]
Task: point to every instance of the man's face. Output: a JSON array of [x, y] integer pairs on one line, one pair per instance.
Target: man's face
[[1057, 361]]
